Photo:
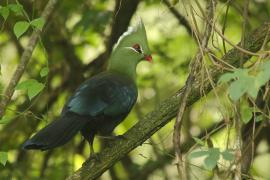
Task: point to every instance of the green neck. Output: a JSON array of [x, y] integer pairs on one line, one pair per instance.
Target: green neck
[[124, 62]]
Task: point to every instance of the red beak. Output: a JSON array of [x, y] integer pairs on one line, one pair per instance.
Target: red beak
[[148, 58]]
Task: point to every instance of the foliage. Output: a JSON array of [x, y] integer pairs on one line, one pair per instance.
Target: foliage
[[213, 155], [32, 86], [3, 158], [75, 45], [247, 80]]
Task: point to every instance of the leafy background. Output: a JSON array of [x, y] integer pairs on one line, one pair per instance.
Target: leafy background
[[76, 35]]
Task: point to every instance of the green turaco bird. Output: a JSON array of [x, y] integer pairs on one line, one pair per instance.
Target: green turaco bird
[[101, 102]]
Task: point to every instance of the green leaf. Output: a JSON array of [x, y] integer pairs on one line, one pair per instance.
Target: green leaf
[[38, 23], [4, 11], [198, 141], [5, 119], [246, 112], [44, 71], [264, 74], [34, 90], [259, 118], [16, 8], [227, 155], [198, 154], [3, 158], [212, 159], [32, 86], [226, 77], [20, 28], [236, 90]]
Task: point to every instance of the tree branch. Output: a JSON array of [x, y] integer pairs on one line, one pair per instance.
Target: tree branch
[[26, 56], [156, 119]]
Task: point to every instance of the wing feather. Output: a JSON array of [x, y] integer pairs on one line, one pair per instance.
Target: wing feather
[[106, 94]]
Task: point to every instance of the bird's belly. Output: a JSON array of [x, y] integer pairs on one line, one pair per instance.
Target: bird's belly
[[106, 124]]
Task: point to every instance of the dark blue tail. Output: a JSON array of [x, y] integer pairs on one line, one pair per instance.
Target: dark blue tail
[[57, 133]]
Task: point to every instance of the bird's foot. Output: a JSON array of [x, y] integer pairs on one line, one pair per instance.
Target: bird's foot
[[93, 158]]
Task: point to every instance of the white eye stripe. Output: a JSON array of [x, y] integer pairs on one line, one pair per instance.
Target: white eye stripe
[[142, 52]]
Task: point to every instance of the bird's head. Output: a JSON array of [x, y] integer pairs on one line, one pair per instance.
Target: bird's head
[[135, 43], [131, 48]]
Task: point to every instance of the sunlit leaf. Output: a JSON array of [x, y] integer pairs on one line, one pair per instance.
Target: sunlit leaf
[[264, 75], [3, 158], [246, 112], [20, 28], [6, 119], [245, 82], [226, 77], [32, 86], [4, 11], [259, 118], [236, 90], [16, 8], [198, 154], [44, 71], [35, 89], [38, 23], [227, 155], [212, 158]]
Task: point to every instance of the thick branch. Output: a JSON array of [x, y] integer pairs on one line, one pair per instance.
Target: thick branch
[[155, 120], [26, 56]]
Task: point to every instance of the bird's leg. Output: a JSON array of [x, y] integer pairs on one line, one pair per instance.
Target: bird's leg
[[93, 155], [89, 134]]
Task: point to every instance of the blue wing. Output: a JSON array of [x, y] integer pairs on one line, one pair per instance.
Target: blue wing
[[106, 94]]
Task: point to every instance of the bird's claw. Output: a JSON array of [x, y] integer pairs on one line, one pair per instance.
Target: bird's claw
[[93, 157]]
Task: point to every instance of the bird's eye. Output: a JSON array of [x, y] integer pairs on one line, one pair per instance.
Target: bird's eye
[[137, 48]]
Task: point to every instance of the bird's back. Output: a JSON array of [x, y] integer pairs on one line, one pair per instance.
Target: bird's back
[[106, 99]]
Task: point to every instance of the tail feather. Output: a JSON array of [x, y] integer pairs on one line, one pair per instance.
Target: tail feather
[[57, 133]]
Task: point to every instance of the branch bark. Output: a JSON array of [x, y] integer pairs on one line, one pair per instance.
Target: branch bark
[[156, 119], [26, 56]]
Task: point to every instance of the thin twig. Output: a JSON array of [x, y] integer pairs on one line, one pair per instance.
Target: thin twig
[[25, 58], [224, 24], [195, 66], [238, 118], [242, 49], [181, 19]]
